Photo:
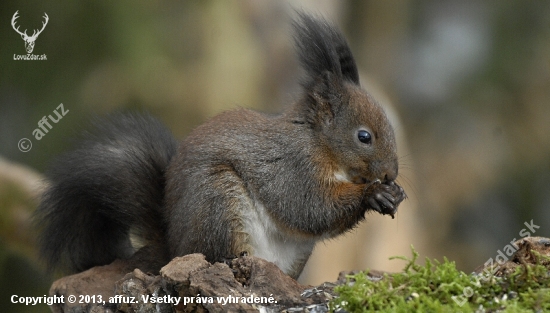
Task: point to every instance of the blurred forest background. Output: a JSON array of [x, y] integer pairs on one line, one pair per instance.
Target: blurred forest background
[[467, 84]]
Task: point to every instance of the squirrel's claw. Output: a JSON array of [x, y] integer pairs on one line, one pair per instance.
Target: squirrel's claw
[[374, 205]]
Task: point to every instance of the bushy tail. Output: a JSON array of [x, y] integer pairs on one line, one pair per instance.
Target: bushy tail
[[111, 185]]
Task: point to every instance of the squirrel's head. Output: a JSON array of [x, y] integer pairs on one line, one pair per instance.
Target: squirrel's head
[[350, 126]]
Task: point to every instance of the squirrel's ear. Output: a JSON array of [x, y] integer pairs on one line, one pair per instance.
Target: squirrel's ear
[[323, 99], [328, 63]]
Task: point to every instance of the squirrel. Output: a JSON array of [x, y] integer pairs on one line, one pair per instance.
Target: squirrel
[[271, 186]]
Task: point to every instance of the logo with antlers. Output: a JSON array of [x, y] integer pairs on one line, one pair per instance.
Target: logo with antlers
[[29, 40]]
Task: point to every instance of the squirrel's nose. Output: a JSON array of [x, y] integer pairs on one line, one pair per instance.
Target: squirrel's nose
[[390, 172], [389, 177]]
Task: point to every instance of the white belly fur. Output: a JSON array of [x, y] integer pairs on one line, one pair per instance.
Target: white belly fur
[[270, 243]]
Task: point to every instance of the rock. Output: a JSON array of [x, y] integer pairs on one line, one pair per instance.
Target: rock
[[373, 275], [98, 281], [523, 255], [191, 284]]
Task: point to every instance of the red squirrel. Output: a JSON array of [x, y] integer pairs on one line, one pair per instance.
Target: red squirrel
[[272, 186]]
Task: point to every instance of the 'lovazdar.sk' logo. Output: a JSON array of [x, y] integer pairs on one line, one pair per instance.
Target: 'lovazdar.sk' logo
[[29, 40]]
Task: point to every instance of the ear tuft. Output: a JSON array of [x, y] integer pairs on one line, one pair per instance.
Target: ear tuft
[[322, 48]]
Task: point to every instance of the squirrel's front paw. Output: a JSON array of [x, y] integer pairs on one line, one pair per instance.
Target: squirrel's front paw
[[384, 197]]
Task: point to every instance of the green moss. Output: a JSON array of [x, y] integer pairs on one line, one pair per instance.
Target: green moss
[[440, 287]]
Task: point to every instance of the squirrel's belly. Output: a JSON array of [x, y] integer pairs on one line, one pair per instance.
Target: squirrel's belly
[[271, 243]]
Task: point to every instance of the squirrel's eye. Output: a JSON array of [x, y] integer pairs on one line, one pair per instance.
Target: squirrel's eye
[[364, 136]]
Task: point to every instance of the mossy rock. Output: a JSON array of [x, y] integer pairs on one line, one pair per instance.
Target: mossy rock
[[520, 283]]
